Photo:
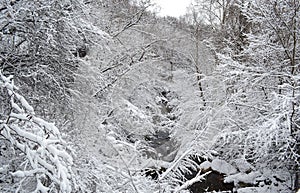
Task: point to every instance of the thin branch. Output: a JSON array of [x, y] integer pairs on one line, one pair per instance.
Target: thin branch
[[190, 182]]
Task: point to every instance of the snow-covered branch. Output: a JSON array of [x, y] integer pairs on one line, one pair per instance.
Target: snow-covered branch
[[47, 158], [192, 181]]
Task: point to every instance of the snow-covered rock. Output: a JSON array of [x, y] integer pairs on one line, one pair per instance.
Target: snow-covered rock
[[242, 177], [223, 167]]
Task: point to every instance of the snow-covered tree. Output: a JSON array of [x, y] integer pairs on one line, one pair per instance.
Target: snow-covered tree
[[42, 162], [263, 87], [151, 97], [39, 44]]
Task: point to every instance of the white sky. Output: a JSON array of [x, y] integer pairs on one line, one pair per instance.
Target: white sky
[[173, 8]]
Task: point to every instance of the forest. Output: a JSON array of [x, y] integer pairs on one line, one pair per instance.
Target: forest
[[107, 96]]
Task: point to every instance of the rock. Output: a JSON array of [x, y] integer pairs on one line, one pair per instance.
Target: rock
[[223, 167]]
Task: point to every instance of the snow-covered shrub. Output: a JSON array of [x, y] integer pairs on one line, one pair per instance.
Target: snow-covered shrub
[[44, 163], [262, 89]]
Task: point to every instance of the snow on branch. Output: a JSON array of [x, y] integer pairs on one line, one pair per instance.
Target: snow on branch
[[47, 159], [188, 183]]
